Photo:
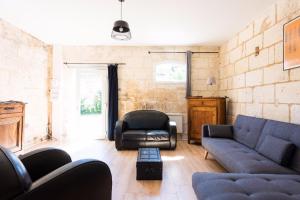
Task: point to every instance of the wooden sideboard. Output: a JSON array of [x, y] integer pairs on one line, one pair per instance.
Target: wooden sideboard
[[11, 124], [209, 110]]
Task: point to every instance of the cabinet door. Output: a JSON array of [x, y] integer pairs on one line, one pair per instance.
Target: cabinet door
[[200, 116], [10, 133]]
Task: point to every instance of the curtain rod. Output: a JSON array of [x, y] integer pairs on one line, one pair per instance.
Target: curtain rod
[[67, 63], [150, 52]]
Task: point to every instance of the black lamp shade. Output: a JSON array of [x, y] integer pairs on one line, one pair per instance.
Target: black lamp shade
[[121, 30]]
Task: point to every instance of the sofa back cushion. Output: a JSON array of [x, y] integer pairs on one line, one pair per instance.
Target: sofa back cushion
[[247, 130], [146, 120], [285, 131]]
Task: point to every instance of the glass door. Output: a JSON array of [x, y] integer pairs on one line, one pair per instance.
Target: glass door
[[92, 103]]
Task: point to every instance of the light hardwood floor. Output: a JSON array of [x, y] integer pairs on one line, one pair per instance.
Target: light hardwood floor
[[178, 167]]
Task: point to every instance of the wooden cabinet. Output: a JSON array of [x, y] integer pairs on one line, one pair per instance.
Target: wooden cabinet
[[11, 125], [204, 111]]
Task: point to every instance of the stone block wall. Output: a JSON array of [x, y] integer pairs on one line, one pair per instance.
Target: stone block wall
[[23, 77], [257, 85], [137, 86]]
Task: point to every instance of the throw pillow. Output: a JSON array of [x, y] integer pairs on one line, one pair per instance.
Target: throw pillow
[[276, 149], [220, 131]]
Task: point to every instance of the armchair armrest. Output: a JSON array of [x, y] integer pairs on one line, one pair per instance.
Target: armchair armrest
[[80, 180], [173, 134], [220, 131], [119, 128], [43, 161]]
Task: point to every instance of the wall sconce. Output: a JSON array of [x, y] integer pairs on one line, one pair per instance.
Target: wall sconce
[[257, 51], [211, 81]]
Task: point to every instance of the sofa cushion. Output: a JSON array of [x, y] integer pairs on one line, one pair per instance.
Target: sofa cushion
[[276, 149], [251, 162], [157, 135], [146, 120], [222, 145], [213, 186], [247, 130], [138, 135], [238, 158], [286, 131], [220, 131]]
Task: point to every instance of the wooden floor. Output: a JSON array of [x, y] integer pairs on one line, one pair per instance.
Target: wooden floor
[[178, 167]]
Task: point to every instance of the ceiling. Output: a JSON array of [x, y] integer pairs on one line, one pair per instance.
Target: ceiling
[[155, 22]]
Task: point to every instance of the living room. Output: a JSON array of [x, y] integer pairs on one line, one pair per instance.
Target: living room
[[110, 81]]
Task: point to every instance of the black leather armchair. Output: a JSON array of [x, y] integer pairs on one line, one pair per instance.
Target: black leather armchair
[[145, 128], [49, 174]]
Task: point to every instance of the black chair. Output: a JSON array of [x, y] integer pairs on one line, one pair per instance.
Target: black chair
[[145, 128], [50, 174]]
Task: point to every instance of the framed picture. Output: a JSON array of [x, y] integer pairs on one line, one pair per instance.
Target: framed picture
[[291, 44]]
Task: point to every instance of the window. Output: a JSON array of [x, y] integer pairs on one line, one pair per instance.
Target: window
[[170, 72], [90, 92], [91, 104]]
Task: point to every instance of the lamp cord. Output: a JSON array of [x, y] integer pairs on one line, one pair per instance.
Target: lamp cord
[[121, 10]]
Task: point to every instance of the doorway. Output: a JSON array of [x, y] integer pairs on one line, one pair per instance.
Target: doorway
[[91, 104]]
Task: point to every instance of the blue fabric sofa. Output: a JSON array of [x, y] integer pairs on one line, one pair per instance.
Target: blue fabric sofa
[[262, 156]]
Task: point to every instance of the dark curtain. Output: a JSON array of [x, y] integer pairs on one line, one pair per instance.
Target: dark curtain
[[188, 73], [112, 99]]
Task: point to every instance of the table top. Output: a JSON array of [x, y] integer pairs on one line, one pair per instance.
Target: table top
[[10, 102], [149, 155]]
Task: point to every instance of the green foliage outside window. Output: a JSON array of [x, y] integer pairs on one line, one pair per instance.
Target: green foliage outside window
[[91, 106]]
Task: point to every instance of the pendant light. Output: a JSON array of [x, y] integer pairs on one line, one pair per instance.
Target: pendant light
[[121, 30]]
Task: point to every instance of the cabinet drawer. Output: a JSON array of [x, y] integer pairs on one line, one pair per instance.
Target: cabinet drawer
[[203, 103], [11, 109], [209, 103]]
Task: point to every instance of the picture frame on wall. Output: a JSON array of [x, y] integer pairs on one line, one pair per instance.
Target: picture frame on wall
[[291, 44]]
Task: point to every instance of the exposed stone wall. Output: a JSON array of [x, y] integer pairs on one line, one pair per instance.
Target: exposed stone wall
[[137, 86], [257, 85], [23, 77]]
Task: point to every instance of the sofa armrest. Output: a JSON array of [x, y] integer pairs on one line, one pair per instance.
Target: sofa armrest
[[120, 126], [42, 161], [173, 134], [220, 131], [80, 180]]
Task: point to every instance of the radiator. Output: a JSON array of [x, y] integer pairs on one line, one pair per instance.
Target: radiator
[[178, 118]]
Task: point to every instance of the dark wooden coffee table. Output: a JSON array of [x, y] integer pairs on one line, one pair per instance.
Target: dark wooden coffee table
[[149, 165]]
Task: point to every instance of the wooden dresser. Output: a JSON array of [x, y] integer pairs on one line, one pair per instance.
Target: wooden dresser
[[209, 110], [11, 124]]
